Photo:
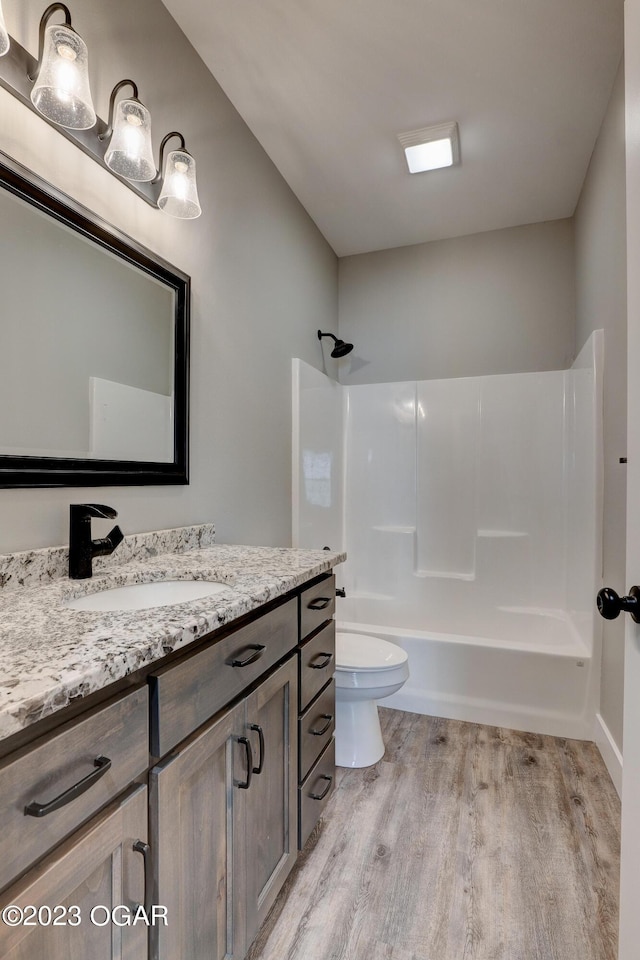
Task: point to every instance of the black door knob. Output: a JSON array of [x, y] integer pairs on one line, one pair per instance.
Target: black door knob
[[610, 604]]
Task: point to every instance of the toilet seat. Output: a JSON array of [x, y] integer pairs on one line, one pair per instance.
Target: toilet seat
[[360, 651]]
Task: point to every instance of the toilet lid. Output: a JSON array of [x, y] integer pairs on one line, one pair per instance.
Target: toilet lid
[[359, 651]]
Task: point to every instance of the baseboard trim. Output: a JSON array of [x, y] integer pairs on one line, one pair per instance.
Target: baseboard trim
[[609, 752]]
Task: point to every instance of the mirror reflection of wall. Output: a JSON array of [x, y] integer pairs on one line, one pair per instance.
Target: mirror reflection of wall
[[86, 346]]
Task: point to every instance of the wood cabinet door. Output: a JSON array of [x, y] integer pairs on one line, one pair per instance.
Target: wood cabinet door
[[95, 870], [271, 800], [196, 814]]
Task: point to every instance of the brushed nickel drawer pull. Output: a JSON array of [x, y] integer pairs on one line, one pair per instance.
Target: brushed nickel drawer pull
[[320, 666], [247, 746], [320, 603], [258, 649], [141, 847], [323, 716], [321, 796], [34, 809], [260, 732]]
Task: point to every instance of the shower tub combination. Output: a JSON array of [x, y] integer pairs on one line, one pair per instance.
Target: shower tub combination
[[469, 511]]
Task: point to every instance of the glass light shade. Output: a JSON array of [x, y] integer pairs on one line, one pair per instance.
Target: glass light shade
[[130, 152], [179, 196], [4, 36], [61, 91]]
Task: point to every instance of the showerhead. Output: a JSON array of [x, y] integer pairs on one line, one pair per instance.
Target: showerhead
[[341, 349]]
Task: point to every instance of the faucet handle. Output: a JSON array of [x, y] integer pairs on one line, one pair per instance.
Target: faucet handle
[[99, 510], [106, 545]]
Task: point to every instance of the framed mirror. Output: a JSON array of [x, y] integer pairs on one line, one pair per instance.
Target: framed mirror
[[94, 347]]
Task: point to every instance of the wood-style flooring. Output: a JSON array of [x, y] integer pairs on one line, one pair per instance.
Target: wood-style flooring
[[465, 842]]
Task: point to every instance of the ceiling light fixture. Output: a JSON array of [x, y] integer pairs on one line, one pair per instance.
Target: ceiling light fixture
[[431, 148]]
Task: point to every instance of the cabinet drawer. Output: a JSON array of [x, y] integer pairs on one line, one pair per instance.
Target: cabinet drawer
[[49, 770], [97, 865], [186, 695], [316, 727], [315, 792], [317, 663], [317, 604]]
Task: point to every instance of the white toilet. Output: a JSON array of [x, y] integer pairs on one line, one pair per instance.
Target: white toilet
[[367, 669]]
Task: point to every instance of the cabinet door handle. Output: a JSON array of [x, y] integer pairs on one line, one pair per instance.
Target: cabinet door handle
[[141, 847], [247, 746], [320, 603], [328, 657], [258, 650], [35, 809], [323, 716], [321, 796], [260, 732]]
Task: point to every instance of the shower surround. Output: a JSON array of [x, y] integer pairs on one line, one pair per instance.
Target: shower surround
[[470, 511]]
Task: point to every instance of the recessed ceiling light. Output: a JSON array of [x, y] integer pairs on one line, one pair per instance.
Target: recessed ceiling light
[[431, 148]]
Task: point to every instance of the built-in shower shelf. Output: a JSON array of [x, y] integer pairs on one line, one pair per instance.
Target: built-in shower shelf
[[445, 574], [497, 534], [553, 613], [392, 529], [353, 595]]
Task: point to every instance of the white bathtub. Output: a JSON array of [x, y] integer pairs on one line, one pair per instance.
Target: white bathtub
[[537, 675]]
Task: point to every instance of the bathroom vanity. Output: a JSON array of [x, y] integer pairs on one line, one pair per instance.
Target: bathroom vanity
[[184, 786]]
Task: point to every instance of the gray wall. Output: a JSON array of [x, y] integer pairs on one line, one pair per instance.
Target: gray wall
[[600, 237], [263, 280], [498, 302]]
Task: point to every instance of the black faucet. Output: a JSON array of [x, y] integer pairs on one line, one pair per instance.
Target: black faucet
[[82, 549]]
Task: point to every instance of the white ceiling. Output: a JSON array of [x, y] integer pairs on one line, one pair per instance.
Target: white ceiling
[[326, 86]]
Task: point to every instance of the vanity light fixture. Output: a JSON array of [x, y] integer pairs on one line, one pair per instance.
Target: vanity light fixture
[[4, 36], [56, 86], [130, 153], [61, 90], [179, 195], [431, 148]]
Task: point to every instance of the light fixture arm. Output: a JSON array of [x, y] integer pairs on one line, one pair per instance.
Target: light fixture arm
[[112, 104], [165, 140], [44, 23]]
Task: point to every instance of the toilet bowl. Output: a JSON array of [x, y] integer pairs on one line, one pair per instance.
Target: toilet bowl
[[367, 669]]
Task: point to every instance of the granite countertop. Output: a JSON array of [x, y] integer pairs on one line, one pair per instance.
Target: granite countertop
[[51, 655]]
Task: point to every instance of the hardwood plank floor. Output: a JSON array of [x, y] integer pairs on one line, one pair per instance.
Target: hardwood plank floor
[[465, 842]]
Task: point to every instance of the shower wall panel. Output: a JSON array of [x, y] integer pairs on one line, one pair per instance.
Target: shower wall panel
[[318, 464], [447, 422], [380, 495], [583, 486], [470, 507], [520, 516]]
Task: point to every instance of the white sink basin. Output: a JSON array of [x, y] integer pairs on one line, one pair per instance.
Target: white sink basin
[[144, 596]]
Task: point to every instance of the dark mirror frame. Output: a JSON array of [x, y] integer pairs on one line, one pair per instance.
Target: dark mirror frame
[[16, 471]]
